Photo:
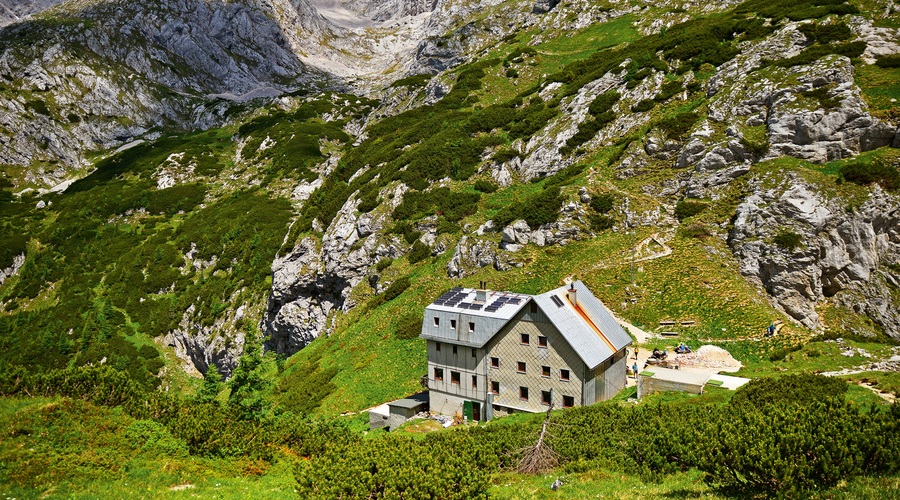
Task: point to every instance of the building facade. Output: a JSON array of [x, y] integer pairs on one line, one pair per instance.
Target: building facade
[[499, 351]]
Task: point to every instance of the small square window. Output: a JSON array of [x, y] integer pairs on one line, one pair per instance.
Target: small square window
[[454, 378], [439, 374], [545, 371], [568, 401], [454, 349], [495, 362], [437, 346], [520, 366], [474, 352], [437, 321], [523, 393], [546, 399], [495, 387], [542, 341], [474, 381], [524, 339], [471, 327], [564, 374], [453, 324]]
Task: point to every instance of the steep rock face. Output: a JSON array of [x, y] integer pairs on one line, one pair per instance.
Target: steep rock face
[[96, 77], [850, 259], [315, 278], [15, 10]]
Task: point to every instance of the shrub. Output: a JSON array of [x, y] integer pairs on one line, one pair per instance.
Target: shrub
[[419, 252], [368, 201], [788, 240], [485, 186], [600, 222], [686, 209], [645, 105], [384, 264], [679, 125], [757, 149], [602, 203], [396, 288], [891, 61], [409, 326], [669, 88], [868, 171], [535, 210], [826, 33], [603, 102]]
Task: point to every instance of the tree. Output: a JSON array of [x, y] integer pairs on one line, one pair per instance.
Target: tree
[[212, 385], [249, 385]]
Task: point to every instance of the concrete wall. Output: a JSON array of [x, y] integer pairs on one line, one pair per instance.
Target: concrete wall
[[445, 404], [605, 381], [649, 385], [557, 355]]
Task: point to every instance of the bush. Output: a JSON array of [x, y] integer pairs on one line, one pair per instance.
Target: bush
[[757, 149], [485, 186], [826, 33], [686, 209], [535, 210], [679, 125], [696, 231], [645, 105], [419, 252], [384, 264], [600, 222], [602, 203], [603, 102], [891, 61], [788, 240], [409, 326], [397, 287], [868, 171]]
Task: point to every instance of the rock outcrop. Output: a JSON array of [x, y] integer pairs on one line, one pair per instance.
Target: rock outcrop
[[805, 249]]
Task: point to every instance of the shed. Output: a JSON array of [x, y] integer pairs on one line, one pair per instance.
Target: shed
[[666, 379], [378, 417], [404, 409]]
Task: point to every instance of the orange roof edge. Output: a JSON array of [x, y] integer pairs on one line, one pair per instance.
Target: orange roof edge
[[589, 322]]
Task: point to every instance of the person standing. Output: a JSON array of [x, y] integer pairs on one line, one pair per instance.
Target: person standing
[[635, 370]]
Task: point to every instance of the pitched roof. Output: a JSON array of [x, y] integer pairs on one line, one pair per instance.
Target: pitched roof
[[587, 325]]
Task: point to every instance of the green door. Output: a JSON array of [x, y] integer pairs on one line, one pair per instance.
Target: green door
[[467, 410]]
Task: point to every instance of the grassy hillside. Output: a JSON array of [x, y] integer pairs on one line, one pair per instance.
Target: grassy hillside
[[172, 242]]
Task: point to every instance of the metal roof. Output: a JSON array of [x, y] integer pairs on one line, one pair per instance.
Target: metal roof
[[588, 327], [487, 316]]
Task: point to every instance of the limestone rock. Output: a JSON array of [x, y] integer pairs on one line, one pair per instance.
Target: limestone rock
[[846, 258]]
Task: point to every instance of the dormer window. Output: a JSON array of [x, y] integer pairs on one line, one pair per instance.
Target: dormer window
[[471, 327], [437, 322]]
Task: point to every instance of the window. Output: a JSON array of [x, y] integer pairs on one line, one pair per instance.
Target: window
[[437, 346], [524, 339], [474, 381], [437, 321], [453, 324], [438, 374], [564, 374], [471, 327], [533, 306], [495, 387], [520, 366], [454, 349], [542, 341], [523, 393], [568, 401], [495, 362], [546, 398], [545, 371], [454, 378], [474, 352]]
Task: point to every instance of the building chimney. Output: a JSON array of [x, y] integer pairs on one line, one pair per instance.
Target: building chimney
[[481, 293], [572, 294]]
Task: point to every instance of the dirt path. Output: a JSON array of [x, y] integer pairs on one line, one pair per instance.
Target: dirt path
[[890, 398]]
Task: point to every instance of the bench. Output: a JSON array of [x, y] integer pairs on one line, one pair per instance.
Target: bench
[[688, 323], [669, 334], [667, 323]]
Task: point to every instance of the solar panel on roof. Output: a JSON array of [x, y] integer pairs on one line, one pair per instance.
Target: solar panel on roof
[[475, 307], [556, 300], [514, 301]]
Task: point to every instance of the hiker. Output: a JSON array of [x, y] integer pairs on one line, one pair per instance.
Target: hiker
[[771, 330], [635, 369], [635, 352]]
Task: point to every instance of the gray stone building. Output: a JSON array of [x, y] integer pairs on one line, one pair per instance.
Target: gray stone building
[[491, 352]]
